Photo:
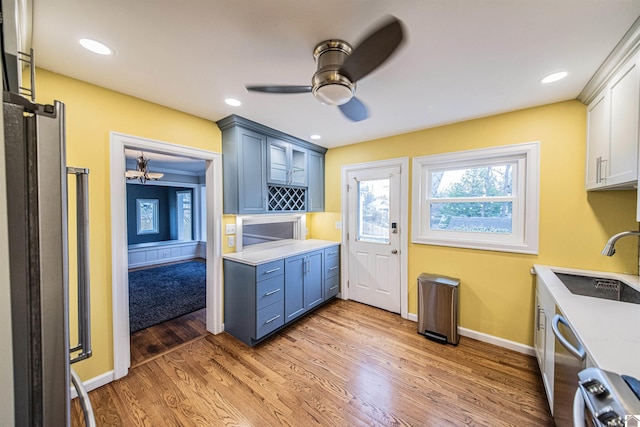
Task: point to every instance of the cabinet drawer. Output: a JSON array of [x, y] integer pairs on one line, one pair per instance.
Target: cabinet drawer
[[269, 269], [269, 291], [331, 287], [332, 252], [269, 319], [331, 267]]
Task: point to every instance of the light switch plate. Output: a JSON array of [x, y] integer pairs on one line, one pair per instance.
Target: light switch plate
[[231, 241], [230, 229]]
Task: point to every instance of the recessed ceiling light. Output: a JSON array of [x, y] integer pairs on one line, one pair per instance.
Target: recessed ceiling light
[[96, 47], [554, 77], [233, 102], [315, 136]]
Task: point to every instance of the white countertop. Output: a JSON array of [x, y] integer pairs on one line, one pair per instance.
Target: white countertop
[[609, 330], [266, 252]]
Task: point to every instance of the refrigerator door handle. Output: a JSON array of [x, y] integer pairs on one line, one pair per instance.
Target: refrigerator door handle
[[84, 297], [87, 409]]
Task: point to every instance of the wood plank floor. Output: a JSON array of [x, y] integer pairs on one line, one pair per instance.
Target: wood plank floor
[[154, 341], [346, 364]]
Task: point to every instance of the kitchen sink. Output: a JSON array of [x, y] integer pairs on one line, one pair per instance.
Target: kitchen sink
[[598, 287]]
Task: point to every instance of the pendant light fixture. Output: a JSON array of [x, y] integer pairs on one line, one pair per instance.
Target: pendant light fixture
[[142, 173]]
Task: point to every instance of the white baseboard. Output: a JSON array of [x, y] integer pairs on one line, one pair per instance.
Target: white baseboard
[[94, 383], [480, 336]]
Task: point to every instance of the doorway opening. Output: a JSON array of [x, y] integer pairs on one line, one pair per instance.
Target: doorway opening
[[200, 219], [166, 237]]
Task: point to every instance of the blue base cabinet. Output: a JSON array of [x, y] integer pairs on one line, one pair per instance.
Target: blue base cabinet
[[253, 299], [331, 272], [260, 300], [303, 284]]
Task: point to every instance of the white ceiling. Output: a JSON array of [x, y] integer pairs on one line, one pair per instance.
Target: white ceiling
[[462, 59], [161, 162]]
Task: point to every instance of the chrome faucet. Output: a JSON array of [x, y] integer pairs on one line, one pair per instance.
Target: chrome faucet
[[609, 249]]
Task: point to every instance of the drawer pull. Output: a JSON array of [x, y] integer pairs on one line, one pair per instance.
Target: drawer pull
[[273, 270], [272, 319], [333, 287], [272, 292], [332, 253], [333, 268]]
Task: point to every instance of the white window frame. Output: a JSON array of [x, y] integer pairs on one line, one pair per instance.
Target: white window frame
[[155, 215], [526, 171], [180, 214]]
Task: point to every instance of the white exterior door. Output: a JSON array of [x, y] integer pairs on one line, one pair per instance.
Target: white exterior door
[[374, 237]]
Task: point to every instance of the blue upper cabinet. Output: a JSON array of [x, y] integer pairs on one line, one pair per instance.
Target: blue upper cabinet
[[267, 171], [315, 188], [244, 174]]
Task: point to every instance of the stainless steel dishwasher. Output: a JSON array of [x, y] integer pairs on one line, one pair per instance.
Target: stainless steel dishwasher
[[569, 360]]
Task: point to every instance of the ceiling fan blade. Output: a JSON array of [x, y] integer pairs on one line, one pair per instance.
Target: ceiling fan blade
[[375, 49], [279, 89], [354, 110]]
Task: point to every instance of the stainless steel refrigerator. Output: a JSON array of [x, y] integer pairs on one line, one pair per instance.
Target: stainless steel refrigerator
[[37, 181]]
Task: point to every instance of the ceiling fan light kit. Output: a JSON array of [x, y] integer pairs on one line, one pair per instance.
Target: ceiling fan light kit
[[339, 66], [331, 87]]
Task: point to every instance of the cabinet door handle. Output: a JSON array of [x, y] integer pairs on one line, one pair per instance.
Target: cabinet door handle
[[273, 270], [333, 268], [272, 319], [333, 287], [603, 170], [272, 292], [598, 161]]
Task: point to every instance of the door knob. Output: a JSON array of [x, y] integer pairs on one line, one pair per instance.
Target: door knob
[[394, 251]]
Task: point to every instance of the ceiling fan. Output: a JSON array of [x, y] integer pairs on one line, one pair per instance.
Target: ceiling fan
[[339, 67]]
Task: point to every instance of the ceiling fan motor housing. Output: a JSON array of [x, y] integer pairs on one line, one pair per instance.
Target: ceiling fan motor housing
[[329, 86]]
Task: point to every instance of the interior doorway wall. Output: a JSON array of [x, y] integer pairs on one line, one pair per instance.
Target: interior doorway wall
[[119, 250]]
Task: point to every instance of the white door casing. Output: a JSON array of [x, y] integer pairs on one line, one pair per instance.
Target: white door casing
[[119, 257], [375, 264]]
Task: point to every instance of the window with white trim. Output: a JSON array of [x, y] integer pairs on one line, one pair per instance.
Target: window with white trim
[[147, 216], [480, 199]]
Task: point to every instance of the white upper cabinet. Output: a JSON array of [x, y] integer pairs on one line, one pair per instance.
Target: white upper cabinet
[[613, 119]]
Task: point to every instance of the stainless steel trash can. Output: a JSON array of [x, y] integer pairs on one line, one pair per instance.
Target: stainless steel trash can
[[438, 308]]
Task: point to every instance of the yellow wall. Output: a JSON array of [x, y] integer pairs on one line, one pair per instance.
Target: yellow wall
[[93, 112], [497, 291]]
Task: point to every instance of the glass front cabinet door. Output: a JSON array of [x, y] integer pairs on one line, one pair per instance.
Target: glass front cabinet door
[[287, 163]]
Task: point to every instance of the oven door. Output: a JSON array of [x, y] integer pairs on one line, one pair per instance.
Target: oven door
[[569, 360], [581, 415]]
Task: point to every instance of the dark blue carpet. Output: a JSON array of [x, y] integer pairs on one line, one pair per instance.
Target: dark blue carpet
[[163, 293]]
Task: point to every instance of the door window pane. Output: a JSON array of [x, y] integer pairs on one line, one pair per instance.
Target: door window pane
[[373, 210]]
